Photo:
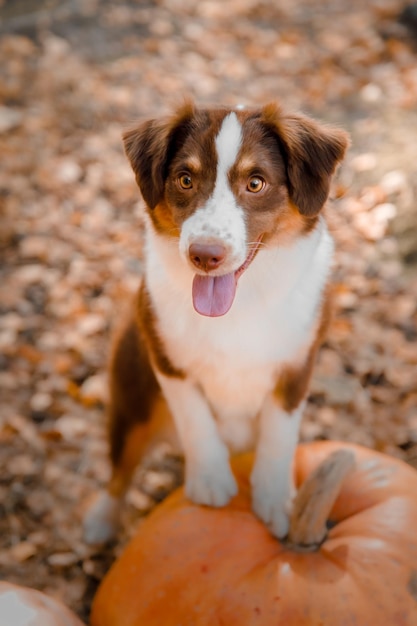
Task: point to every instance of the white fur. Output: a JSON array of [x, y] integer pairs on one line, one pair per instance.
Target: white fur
[[208, 478], [220, 219], [272, 477], [102, 519], [271, 321], [233, 362]]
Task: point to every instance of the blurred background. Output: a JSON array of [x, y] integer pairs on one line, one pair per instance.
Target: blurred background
[[73, 75]]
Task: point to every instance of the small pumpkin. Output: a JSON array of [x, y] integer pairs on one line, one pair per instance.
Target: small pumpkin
[[190, 565], [22, 606]]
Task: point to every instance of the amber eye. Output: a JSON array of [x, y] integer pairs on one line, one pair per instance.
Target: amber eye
[[185, 181], [255, 184]]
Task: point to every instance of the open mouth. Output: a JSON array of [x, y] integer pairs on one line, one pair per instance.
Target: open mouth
[[214, 295]]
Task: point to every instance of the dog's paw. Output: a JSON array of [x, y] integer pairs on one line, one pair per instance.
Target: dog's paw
[[101, 521], [272, 501], [211, 483]]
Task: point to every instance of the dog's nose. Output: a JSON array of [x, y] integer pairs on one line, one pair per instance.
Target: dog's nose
[[207, 256]]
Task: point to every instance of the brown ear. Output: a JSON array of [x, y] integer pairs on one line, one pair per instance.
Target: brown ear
[[312, 152], [150, 147]]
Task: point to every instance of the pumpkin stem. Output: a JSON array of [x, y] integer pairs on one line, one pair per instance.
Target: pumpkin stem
[[315, 499]]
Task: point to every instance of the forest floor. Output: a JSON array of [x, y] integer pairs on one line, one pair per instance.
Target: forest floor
[[73, 76]]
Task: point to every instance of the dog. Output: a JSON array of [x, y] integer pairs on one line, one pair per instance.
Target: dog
[[233, 304]]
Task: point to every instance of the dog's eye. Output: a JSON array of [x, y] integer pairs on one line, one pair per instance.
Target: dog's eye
[[185, 181], [255, 184]]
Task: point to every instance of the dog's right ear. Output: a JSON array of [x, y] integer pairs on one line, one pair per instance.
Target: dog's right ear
[[150, 147]]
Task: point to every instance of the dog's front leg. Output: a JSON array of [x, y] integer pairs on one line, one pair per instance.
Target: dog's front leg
[[272, 476], [208, 477]]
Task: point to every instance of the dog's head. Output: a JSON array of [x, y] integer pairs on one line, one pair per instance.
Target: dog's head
[[224, 181]]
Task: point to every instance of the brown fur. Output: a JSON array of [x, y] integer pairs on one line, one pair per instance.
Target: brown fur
[[293, 382], [137, 413], [133, 387], [312, 152], [302, 154], [298, 158], [148, 326]]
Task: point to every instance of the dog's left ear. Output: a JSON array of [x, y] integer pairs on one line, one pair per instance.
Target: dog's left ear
[[149, 148], [312, 151]]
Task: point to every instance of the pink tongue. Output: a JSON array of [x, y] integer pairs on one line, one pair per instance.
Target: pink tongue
[[213, 295]]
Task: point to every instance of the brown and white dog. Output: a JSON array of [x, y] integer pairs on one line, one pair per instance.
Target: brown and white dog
[[232, 306]]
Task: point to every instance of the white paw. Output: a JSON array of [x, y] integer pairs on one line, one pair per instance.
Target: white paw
[[272, 499], [211, 483], [101, 520]]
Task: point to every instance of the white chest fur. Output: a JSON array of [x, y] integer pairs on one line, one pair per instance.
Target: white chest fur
[[235, 359]]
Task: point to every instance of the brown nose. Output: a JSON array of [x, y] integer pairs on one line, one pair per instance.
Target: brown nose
[[207, 256]]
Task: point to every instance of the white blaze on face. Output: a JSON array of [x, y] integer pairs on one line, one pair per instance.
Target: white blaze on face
[[221, 219], [228, 143]]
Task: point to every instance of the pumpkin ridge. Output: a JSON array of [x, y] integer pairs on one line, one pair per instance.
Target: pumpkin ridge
[[216, 567]]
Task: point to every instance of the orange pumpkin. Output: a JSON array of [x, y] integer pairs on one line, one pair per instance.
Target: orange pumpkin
[[190, 565], [22, 606]]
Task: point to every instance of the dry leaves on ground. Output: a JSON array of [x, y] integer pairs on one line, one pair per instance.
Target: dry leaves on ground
[[72, 78]]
